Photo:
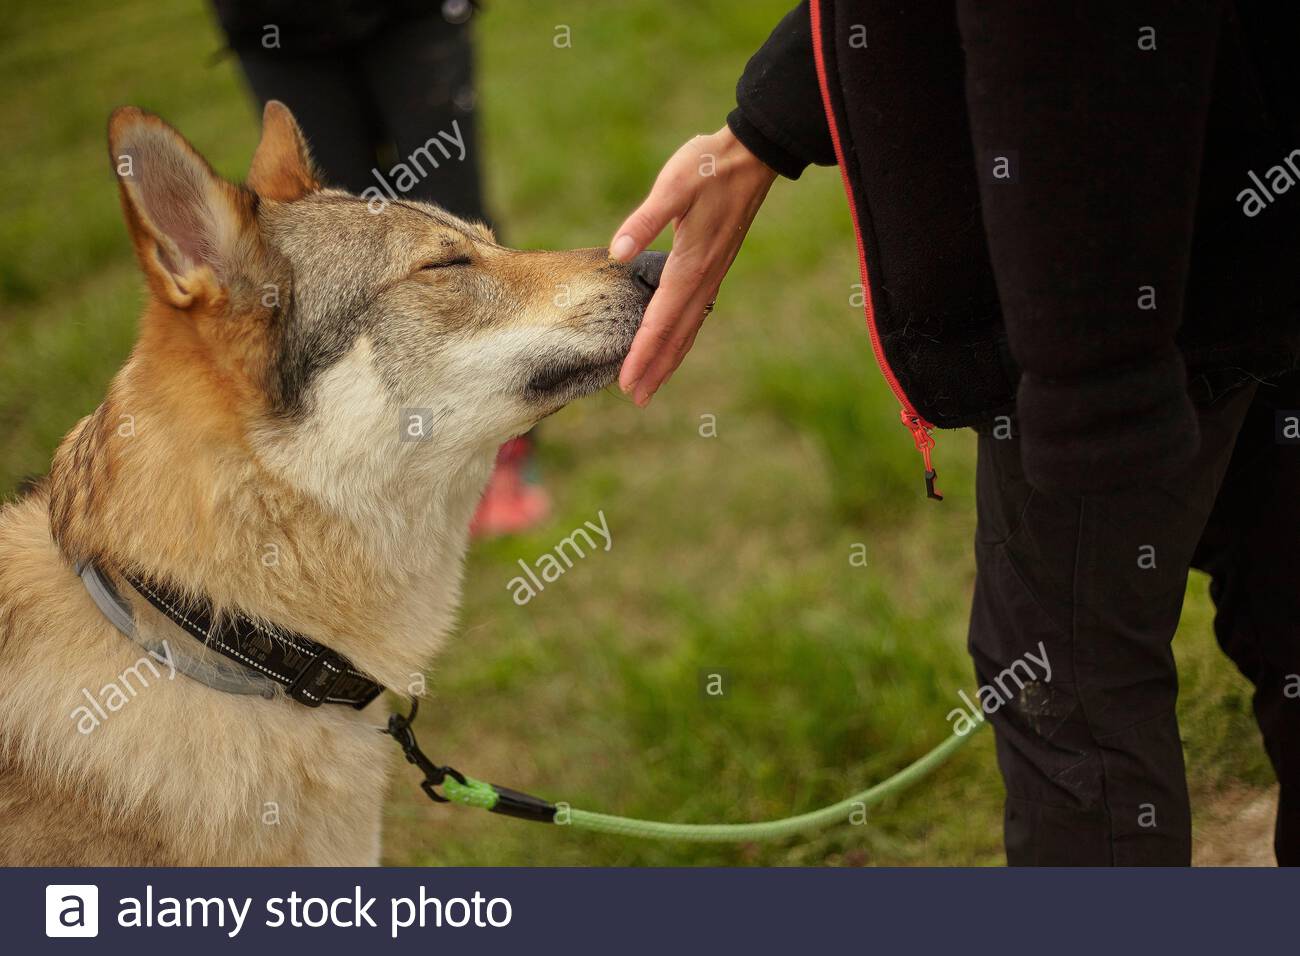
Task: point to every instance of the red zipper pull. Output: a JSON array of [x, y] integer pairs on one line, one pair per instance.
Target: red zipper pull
[[924, 441]]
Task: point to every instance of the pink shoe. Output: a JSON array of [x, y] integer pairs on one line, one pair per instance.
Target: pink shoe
[[512, 502]]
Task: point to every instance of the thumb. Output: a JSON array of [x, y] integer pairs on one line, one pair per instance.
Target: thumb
[[660, 208]]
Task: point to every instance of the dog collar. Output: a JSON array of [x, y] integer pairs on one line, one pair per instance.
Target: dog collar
[[261, 659]]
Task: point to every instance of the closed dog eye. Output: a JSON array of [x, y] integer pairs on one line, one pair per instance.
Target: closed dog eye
[[445, 263]]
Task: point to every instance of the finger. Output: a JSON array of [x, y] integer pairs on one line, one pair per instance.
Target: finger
[[684, 349], [655, 335], [663, 366], [661, 207], [669, 199], [667, 309], [670, 355]]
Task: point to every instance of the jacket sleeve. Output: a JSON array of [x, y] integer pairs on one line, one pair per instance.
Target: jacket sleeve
[[779, 115], [1088, 151]]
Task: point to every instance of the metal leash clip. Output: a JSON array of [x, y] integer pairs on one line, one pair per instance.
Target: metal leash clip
[[399, 728]]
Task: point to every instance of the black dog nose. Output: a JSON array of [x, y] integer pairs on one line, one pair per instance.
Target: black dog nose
[[648, 267]]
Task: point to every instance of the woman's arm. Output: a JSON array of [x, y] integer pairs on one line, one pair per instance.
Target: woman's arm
[[712, 188]]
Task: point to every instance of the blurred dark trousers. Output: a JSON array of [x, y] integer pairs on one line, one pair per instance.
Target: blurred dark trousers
[[370, 102], [1092, 759]]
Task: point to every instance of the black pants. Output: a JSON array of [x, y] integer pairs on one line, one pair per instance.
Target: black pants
[[1092, 759], [368, 102]]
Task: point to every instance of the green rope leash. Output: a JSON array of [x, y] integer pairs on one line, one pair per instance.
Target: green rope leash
[[458, 788]]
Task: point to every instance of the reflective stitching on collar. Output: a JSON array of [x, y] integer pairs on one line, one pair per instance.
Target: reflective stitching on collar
[[208, 634]]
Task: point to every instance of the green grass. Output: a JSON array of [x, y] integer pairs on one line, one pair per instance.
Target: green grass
[[729, 552]]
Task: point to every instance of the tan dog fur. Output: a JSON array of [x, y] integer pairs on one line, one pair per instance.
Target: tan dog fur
[[246, 424]]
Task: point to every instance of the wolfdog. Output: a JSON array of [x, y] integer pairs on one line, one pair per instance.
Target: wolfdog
[[297, 441]]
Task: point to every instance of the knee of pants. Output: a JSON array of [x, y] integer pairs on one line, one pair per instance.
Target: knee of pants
[[1107, 650]]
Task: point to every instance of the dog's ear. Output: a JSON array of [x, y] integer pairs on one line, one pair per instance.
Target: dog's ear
[[186, 222], [282, 169]]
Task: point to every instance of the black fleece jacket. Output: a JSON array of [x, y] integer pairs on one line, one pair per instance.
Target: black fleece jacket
[[1053, 205]]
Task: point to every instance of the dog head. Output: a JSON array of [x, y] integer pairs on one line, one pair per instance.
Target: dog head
[[335, 338]]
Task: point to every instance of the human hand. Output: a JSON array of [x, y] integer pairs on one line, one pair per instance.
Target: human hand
[[710, 190]]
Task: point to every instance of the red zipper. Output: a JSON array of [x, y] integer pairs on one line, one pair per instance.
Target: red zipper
[[910, 417]]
